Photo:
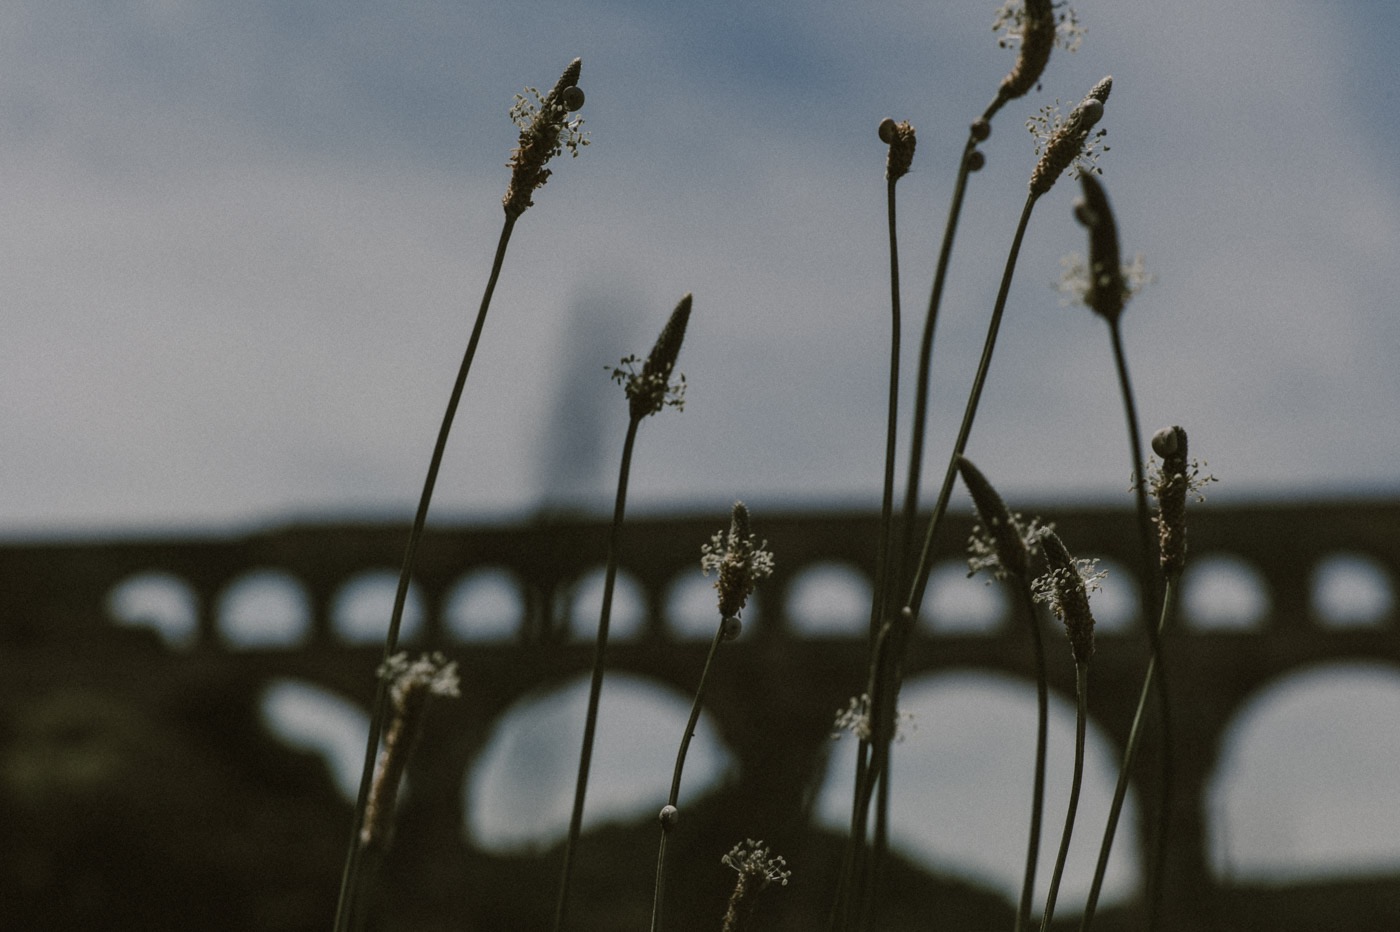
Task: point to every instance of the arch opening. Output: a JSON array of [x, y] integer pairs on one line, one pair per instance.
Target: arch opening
[[518, 793], [362, 608], [962, 782], [264, 608], [485, 605], [1305, 783], [160, 601], [829, 600]]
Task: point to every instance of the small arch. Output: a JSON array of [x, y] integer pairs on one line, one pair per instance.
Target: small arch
[[265, 608], [309, 718], [692, 608], [161, 601], [1117, 604], [963, 779], [485, 605], [1351, 590], [519, 792], [829, 600], [1221, 592], [583, 602], [1305, 782], [956, 603], [362, 608]]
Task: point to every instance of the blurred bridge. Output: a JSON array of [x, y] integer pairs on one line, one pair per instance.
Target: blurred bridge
[[773, 696]]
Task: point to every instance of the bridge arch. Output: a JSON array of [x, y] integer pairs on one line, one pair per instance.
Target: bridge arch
[[962, 787], [518, 791], [1285, 744]]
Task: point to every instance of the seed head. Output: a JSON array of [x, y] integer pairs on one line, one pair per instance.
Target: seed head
[[1032, 25], [998, 542], [1065, 586], [651, 389], [758, 867], [900, 138], [411, 684], [1170, 484], [739, 561], [546, 130], [1069, 142]]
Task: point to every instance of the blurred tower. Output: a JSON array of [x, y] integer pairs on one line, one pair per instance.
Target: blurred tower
[[583, 430]]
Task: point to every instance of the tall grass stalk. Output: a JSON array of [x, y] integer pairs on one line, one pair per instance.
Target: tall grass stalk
[[648, 391], [1107, 295], [901, 139], [1171, 484], [740, 563], [540, 140], [1065, 586], [1081, 717], [1120, 789], [350, 878]]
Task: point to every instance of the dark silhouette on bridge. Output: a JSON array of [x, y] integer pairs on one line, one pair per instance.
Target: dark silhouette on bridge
[[772, 699]]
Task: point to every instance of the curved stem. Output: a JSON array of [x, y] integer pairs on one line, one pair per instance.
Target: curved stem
[[1042, 697], [916, 439], [349, 881], [658, 895], [916, 593], [595, 689], [1120, 791], [1081, 717], [1150, 594]]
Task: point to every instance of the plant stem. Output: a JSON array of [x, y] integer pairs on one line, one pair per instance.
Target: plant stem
[[658, 896], [854, 859], [1150, 594], [1081, 717], [595, 689], [350, 876], [916, 440], [916, 592], [1023, 913], [1120, 791]]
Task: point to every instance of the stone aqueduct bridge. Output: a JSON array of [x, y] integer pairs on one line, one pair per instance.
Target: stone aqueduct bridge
[[774, 693]]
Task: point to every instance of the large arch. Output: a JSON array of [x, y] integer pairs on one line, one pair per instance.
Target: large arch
[[962, 783], [1305, 781]]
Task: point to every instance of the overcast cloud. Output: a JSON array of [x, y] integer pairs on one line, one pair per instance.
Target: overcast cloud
[[243, 243]]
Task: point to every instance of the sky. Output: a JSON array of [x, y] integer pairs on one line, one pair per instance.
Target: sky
[[243, 244]]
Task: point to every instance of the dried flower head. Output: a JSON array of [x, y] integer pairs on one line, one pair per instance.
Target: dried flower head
[[413, 681], [1031, 25], [650, 389], [999, 542], [1065, 586], [546, 130], [855, 719], [1068, 143], [1016, 16], [901, 140], [411, 684], [1171, 483], [739, 561], [1075, 283]]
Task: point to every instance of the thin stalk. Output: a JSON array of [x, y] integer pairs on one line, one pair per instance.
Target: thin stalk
[[350, 876], [1081, 717], [916, 440], [916, 592], [1120, 791], [1042, 696], [1150, 594], [658, 896], [595, 689], [854, 859], [890, 683]]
